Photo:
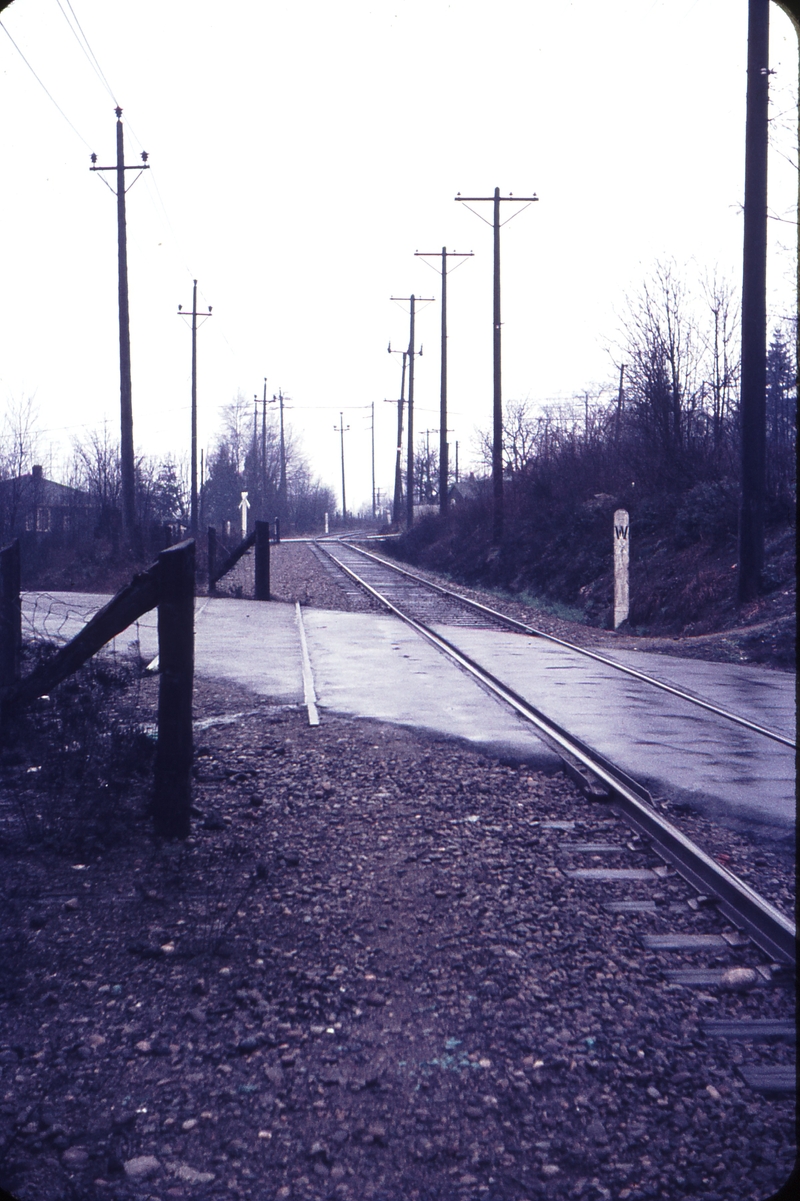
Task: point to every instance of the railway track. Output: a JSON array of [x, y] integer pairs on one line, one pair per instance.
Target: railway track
[[421, 596], [742, 919]]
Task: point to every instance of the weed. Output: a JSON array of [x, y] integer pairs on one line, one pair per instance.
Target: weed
[[75, 764]]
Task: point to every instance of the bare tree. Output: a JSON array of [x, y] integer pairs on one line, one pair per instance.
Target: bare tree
[[247, 457], [661, 356], [95, 469], [721, 371], [19, 448]]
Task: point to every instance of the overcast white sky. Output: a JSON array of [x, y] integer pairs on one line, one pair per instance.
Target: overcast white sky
[[302, 151]]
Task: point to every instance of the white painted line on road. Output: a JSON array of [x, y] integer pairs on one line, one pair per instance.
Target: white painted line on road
[[308, 678]]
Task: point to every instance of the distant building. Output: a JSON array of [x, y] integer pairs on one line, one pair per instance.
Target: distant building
[[32, 504], [468, 489], [425, 510]]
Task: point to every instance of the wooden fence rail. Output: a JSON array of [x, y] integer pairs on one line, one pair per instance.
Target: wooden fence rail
[[227, 563], [259, 538], [121, 611], [169, 584]]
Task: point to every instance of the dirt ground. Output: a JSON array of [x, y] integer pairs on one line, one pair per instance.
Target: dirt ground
[[365, 974]]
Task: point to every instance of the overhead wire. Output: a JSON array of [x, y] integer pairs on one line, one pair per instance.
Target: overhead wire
[[94, 62], [91, 57], [86, 48], [44, 89]]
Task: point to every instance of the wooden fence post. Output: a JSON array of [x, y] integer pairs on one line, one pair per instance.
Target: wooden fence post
[[277, 529], [212, 560], [262, 561], [10, 614], [173, 768]]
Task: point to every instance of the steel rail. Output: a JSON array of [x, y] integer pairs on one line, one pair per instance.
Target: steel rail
[[531, 631], [770, 929]]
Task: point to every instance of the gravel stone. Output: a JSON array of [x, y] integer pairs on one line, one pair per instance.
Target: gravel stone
[[527, 1046], [142, 1167]]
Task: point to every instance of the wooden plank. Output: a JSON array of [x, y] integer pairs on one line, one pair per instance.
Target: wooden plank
[[612, 873], [707, 976], [630, 907], [121, 611], [750, 1029], [172, 794], [591, 848], [682, 942], [770, 1079]]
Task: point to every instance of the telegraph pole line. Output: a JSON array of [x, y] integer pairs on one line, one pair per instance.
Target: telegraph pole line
[[373, 459], [443, 448], [411, 353], [754, 306], [264, 452], [125, 401], [341, 429], [428, 488], [195, 315], [397, 507], [282, 489], [497, 438]]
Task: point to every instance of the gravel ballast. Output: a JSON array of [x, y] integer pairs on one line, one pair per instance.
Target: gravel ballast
[[367, 974]]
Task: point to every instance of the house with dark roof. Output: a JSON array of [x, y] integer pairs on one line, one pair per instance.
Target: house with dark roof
[[466, 489], [32, 504]]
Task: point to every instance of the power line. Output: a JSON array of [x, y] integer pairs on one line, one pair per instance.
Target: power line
[[98, 70], [193, 469], [44, 89], [412, 352], [85, 47], [497, 404], [445, 255], [127, 470]]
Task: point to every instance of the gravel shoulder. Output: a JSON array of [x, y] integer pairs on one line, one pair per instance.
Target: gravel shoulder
[[366, 974]]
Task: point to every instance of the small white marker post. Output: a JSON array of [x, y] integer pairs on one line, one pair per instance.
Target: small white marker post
[[244, 506], [326, 523], [622, 550]]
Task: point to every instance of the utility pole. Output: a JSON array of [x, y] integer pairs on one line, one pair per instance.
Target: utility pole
[[373, 459], [411, 353], [497, 439], [398, 467], [754, 307], [195, 315], [279, 399], [264, 453], [428, 488], [443, 472], [456, 462], [341, 429], [125, 401]]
